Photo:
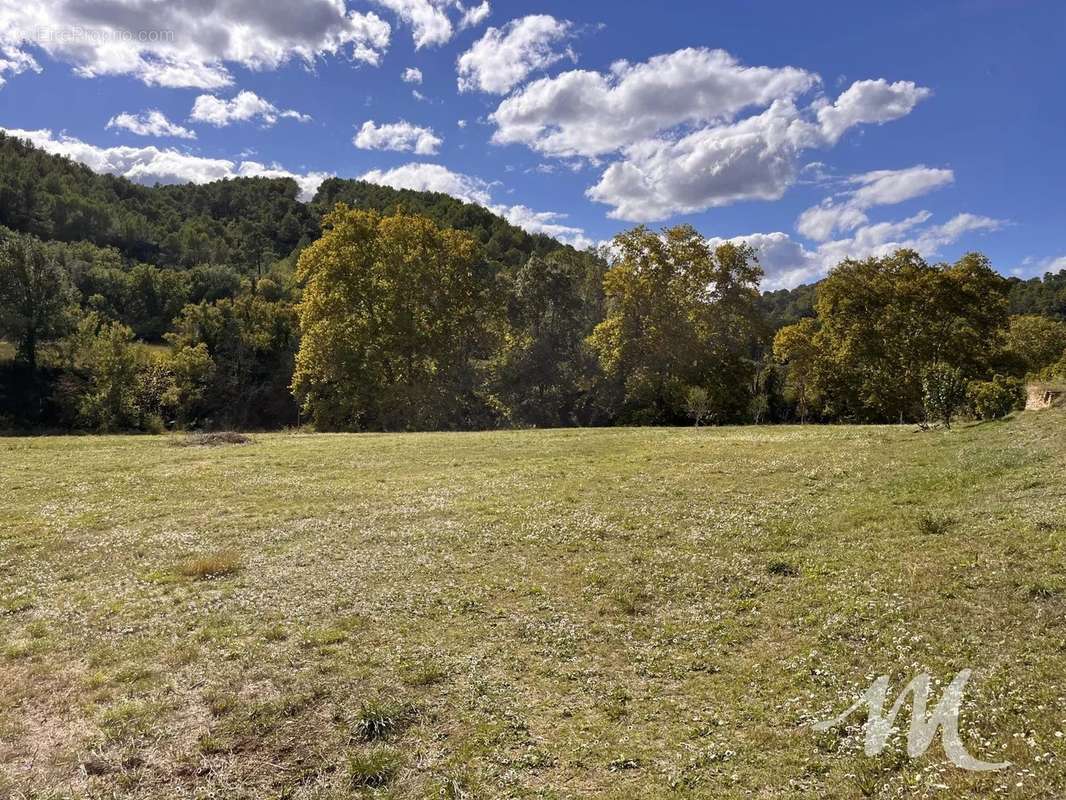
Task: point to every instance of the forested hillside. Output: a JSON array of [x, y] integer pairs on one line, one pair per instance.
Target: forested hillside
[[242, 222], [1044, 295], [234, 304]]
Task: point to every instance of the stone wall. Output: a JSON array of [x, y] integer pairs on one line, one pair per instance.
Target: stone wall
[[1039, 396]]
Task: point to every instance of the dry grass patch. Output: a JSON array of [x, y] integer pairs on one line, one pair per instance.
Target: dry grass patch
[[213, 565], [215, 439]]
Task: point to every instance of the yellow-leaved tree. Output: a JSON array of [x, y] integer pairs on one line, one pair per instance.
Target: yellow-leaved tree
[[395, 321]]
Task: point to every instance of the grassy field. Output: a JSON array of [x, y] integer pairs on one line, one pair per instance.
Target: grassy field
[[631, 613]]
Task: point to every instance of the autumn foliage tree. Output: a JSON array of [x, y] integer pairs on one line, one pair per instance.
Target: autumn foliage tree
[[394, 322], [883, 322], [680, 313]]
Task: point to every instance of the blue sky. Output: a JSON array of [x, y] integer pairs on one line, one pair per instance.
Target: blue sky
[[813, 130]]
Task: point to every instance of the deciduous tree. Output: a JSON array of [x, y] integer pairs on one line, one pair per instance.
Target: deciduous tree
[[1037, 341], [884, 321], [36, 296], [394, 317], [679, 314]]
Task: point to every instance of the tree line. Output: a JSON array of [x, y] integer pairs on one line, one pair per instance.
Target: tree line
[[237, 306]]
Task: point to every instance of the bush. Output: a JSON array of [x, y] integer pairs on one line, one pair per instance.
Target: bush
[[106, 358], [995, 398], [943, 392], [698, 404]]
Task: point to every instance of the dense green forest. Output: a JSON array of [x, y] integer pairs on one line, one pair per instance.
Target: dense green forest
[[234, 304]]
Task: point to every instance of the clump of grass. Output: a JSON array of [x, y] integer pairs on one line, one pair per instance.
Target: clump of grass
[[96, 767], [323, 637], [185, 654], [455, 788], [867, 780], [214, 565], [377, 719], [212, 439], [783, 569], [275, 633], [616, 703], [630, 598], [930, 524], [213, 744], [129, 719], [425, 674], [1042, 591], [15, 605], [220, 703], [373, 769]]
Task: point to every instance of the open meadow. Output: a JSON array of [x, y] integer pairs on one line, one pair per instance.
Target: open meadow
[[619, 613]]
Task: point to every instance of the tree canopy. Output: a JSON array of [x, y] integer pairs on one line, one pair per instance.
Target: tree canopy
[[679, 314], [394, 318], [235, 304], [883, 322]]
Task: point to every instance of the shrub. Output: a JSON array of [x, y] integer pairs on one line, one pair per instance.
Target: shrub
[[995, 398], [943, 392], [698, 404], [106, 358]]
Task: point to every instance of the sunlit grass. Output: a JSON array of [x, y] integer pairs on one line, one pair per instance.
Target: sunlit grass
[[619, 613]]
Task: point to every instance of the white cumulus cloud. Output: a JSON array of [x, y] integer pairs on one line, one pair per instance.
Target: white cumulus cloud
[[789, 263], [150, 123], [690, 130], [474, 15], [584, 113], [150, 165], [412, 75], [14, 61], [847, 210], [868, 102], [754, 158], [430, 21], [503, 57], [242, 108], [432, 178], [401, 136], [186, 43]]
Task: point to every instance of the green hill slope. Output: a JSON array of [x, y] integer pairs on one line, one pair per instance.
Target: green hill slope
[[241, 221]]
